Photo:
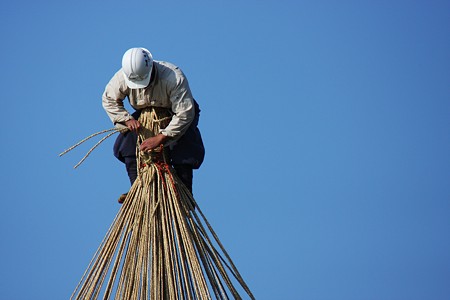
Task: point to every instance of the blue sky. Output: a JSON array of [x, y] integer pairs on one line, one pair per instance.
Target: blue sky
[[326, 125]]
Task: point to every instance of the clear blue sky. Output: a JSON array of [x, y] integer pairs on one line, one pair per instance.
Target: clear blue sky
[[327, 127]]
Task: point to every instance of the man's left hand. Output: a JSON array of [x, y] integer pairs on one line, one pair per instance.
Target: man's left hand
[[153, 142]]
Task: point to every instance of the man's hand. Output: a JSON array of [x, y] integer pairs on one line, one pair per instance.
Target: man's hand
[[153, 142], [133, 124]]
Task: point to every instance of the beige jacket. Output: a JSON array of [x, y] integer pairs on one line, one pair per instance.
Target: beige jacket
[[169, 88]]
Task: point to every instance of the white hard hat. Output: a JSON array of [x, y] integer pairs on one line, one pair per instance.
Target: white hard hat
[[137, 64]]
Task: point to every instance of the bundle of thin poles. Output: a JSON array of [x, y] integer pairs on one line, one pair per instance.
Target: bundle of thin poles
[[160, 244]]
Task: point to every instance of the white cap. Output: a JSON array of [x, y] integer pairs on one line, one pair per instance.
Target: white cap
[[137, 64]]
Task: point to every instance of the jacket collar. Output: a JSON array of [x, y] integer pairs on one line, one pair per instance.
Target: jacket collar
[[154, 76]]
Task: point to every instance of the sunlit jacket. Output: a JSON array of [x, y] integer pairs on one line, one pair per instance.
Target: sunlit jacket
[[168, 88]]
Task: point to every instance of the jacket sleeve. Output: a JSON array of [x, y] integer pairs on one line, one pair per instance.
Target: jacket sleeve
[[112, 100], [182, 106]]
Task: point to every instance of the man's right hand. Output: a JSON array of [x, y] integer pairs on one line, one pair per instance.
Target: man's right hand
[[133, 124]]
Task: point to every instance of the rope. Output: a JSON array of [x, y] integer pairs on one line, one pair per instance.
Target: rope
[[114, 131], [87, 138], [158, 247]]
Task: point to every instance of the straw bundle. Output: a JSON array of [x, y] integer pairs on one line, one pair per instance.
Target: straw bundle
[[158, 246]]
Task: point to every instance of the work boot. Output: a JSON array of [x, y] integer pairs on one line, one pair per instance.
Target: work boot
[[122, 198]]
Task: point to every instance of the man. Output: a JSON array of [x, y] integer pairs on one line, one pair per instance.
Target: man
[[149, 83]]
